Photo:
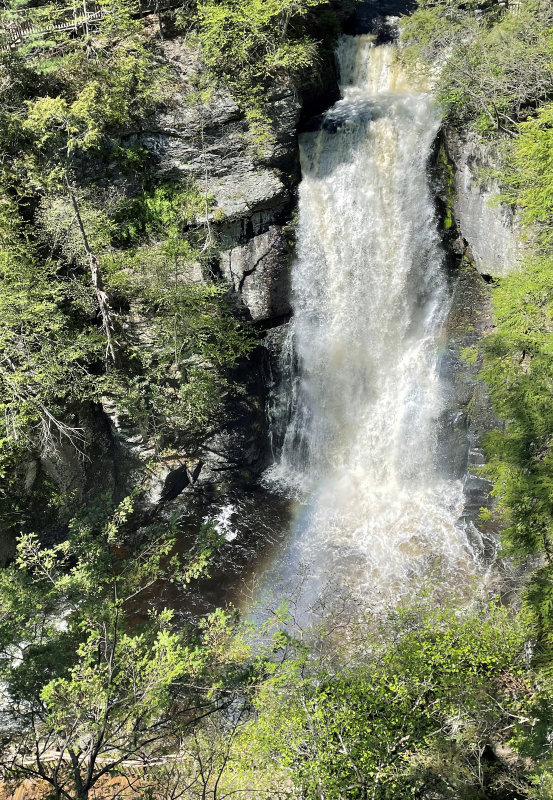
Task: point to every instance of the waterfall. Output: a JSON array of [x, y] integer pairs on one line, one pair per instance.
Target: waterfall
[[360, 395]]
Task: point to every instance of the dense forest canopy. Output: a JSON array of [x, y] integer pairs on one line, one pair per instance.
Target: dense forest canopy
[[100, 694]]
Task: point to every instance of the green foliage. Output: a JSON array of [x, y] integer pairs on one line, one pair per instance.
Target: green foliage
[[83, 99], [60, 104], [255, 40], [46, 357], [98, 684], [528, 174], [414, 708], [81, 259], [176, 381], [519, 373], [417, 702], [497, 61], [91, 682], [496, 77], [249, 43], [177, 368], [161, 212], [414, 701]]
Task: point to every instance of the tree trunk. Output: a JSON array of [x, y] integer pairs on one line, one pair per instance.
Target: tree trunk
[[96, 278]]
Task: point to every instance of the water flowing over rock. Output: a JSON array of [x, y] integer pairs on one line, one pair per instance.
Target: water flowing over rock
[[358, 439]]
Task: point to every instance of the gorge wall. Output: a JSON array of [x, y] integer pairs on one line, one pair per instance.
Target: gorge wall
[[253, 191], [250, 189], [482, 238]]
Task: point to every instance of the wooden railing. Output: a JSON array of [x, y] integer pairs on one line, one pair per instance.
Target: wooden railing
[[78, 21]]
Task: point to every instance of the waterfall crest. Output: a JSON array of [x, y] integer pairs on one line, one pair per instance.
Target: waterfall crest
[[359, 403]]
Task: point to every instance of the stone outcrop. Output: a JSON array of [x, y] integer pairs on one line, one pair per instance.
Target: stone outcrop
[[251, 185], [251, 194], [211, 142], [259, 272], [467, 414], [489, 229], [484, 243]]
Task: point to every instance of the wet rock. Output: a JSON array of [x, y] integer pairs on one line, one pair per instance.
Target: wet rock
[[453, 445], [175, 483], [468, 414], [7, 546]]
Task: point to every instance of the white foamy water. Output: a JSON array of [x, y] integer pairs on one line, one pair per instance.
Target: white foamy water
[[222, 521], [359, 404]]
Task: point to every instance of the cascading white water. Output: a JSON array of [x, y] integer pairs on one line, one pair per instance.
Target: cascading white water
[[369, 299]]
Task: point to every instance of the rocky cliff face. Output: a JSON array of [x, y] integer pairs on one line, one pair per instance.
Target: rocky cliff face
[[254, 197], [251, 184], [489, 230], [251, 187], [483, 244]]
